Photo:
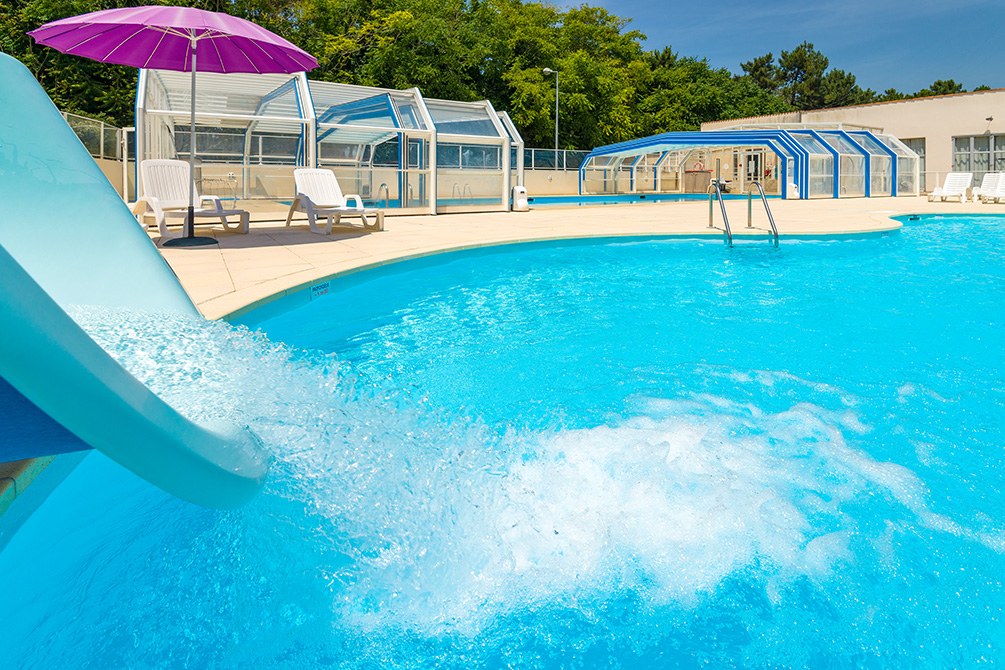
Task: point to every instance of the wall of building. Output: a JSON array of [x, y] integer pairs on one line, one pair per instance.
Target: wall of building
[[551, 182], [938, 119]]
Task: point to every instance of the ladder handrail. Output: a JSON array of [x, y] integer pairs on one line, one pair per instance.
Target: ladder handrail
[[387, 194], [714, 185], [767, 209]]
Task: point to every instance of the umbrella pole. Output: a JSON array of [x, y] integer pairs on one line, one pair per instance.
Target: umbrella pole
[[190, 240]]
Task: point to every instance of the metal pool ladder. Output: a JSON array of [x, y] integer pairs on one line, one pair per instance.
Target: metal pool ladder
[[771, 219], [714, 186]]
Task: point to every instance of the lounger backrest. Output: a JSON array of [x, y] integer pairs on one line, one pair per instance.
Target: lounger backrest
[[990, 182], [957, 183], [168, 181], [320, 186]]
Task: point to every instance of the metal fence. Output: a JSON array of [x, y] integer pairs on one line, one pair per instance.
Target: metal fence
[[101, 139], [545, 159]]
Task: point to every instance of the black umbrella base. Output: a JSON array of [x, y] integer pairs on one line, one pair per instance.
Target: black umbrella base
[[189, 242]]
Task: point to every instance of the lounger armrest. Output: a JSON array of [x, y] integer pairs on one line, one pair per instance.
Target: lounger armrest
[[148, 202], [353, 196], [212, 198]]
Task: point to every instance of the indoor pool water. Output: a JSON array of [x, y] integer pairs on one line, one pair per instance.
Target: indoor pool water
[[616, 454]]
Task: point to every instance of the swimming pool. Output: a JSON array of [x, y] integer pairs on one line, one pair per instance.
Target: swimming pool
[[637, 453]]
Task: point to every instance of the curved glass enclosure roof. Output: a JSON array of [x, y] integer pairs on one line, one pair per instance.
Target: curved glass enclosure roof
[[803, 162], [394, 148]]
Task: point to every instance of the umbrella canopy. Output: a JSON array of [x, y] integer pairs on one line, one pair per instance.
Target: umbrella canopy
[[167, 38], [162, 38]]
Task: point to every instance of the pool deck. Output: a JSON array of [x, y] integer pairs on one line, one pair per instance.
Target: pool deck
[[245, 271]]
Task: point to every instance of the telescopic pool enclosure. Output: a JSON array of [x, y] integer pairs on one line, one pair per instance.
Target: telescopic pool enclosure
[[397, 149], [788, 160]]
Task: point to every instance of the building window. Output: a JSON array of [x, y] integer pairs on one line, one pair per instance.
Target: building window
[[917, 145], [979, 154]]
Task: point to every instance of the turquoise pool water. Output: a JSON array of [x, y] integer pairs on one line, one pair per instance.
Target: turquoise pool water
[[637, 454]]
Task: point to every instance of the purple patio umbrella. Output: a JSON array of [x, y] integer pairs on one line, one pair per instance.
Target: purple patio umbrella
[[166, 38]]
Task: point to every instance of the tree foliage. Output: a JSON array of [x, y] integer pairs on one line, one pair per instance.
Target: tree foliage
[[610, 88], [802, 79]]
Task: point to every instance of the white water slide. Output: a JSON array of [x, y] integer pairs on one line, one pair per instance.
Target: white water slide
[[67, 239]]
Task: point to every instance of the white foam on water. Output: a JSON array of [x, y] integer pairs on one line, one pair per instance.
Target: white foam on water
[[433, 523]]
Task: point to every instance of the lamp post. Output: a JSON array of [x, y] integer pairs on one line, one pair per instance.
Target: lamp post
[[548, 70]]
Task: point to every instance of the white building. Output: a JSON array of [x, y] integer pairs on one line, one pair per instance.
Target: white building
[[963, 132]]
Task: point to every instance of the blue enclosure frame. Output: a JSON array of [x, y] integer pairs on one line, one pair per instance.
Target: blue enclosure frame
[[667, 142]]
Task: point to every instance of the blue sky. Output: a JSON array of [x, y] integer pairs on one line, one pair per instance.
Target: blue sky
[[885, 43]]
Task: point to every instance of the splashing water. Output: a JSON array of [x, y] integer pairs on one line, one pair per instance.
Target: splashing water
[[683, 505]]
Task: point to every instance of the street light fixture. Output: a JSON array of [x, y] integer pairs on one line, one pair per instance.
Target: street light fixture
[[548, 70]]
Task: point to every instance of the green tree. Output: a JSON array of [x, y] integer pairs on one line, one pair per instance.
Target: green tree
[[75, 84], [601, 72], [838, 89], [763, 72], [801, 74], [683, 92], [889, 95], [940, 87]]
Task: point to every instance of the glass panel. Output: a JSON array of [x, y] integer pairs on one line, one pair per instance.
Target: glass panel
[[574, 159], [459, 118], [350, 145], [852, 176], [982, 143], [961, 162], [842, 144], [999, 165], [481, 157], [821, 176], [88, 131], [416, 154], [365, 106], [961, 144], [334, 152], [111, 147], [448, 155], [893, 143], [917, 145], [905, 175], [459, 188], [982, 163], [248, 94], [881, 182], [999, 143], [544, 159], [811, 144], [869, 144]]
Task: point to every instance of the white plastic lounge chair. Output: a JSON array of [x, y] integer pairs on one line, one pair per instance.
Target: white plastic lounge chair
[[318, 194], [999, 194], [165, 191], [990, 187], [955, 186]]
